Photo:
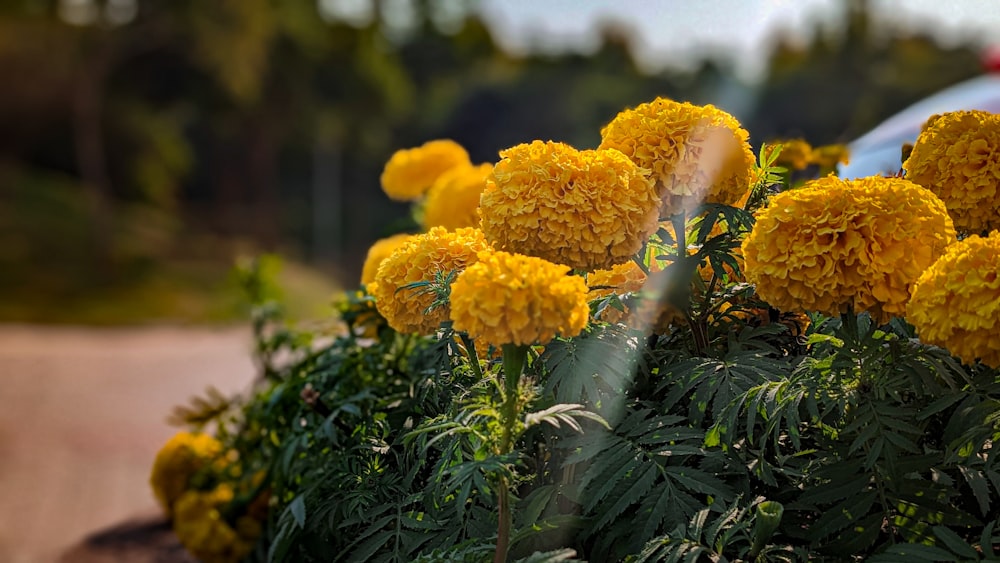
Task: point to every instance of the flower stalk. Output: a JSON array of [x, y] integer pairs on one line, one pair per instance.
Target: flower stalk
[[514, 357]]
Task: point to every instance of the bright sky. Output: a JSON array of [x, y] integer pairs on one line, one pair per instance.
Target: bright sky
[[677, 32]]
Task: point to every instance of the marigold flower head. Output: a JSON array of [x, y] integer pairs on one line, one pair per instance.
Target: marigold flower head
[[956, 302], [827, 157], [835, 243], [382, 249], [796, 154], [180, 459], [516, 299], [957, 156], [453, 200], [695, 153], [587, 209], [204, 532], [420, 259], [411, 172]]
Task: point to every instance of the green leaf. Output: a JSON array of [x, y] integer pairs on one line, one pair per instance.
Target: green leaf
[[980, 487], [640, 486], [955, 543], [911, 552], [298, 509]]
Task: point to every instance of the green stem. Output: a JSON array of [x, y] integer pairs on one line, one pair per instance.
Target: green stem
[[514, 357], [470, 349]]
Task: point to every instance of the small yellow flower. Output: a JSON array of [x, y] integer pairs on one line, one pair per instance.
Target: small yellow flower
[[411, 172], [796, 154], [419, 259], [587, 209], [453, 200], [957, 156], [956, 302], [835, 243], [827, 157], [695, 153], [515, 299], [382, 249], [180, 459], [203, 531]]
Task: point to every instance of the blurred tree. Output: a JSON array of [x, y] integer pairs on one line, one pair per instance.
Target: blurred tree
[[151, 121], [842, 84]]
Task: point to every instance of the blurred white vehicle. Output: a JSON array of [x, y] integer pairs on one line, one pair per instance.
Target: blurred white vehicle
[[878, 151]]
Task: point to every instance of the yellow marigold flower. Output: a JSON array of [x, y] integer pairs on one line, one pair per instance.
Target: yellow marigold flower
[[453, 200], [419, 259], [201, 528], [957, 156], [411, 172], [834, 243], [956, 302], [695, 153], [180, 459], [516, 299], [827, 157], [796, 154], [382, 249], [587, 209]]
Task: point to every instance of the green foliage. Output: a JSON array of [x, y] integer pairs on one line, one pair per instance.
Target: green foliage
[[737, 434]]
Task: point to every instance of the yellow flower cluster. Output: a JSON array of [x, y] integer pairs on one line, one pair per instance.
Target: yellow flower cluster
[[957, 156], [419, 259], [382, 249], [180, 459], [411, 172], [586, 209], [202, 529], [453, 200], [515, 299], [835, 243], [695, 153], [956, 302]]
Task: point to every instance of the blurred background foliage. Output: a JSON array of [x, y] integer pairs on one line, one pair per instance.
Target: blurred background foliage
[[148, 142]]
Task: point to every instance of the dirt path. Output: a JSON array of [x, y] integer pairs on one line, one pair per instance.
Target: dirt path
[[82, 414]]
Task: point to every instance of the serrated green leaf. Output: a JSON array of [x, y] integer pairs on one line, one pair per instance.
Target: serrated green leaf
[[955, 543]]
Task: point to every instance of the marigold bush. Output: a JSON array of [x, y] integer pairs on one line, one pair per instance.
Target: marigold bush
[[694, 153], [515, 299], [957, 156], [419, 260], [956, 302], [382, 249], [180, 459], [453, 200], [837, 243], [201, 527], [587, 209], [411, 172]]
